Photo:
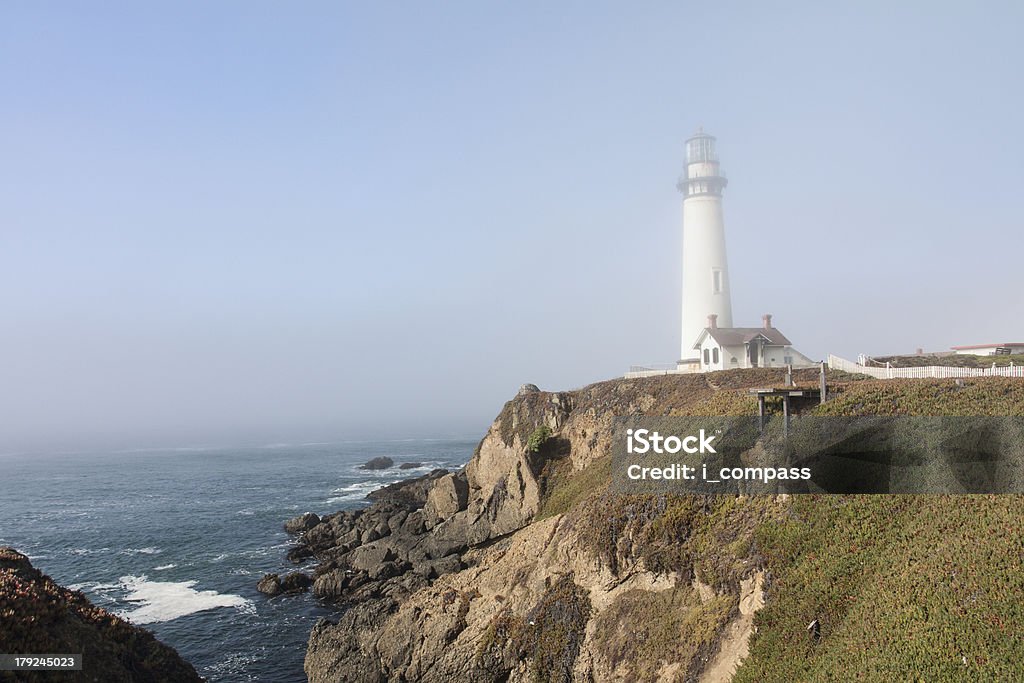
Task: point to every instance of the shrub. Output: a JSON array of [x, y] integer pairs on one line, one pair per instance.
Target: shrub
[[538, 438], [564, 488], [548, 636], [554, 631], [643, 630]]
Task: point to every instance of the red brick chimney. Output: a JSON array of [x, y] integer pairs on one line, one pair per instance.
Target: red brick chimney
[[713, 321], [767, 320]]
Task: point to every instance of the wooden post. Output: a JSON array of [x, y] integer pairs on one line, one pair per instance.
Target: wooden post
[[789, 375], [823, 387], [785, 415], [760, 412]]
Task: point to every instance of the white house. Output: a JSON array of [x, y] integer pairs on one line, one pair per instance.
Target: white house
[[726, 348], [1002, 349]]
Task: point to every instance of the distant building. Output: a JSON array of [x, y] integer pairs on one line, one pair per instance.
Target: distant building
[[1003, 349], [727, 348]]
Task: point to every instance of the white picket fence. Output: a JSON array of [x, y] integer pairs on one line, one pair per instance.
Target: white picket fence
[[1011, 370]]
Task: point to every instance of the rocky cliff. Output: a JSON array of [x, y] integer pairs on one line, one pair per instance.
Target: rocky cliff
[[523, 567], [477, 575], [37, 616]]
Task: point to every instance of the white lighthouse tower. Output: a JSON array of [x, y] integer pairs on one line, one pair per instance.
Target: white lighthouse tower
[[705, 269]]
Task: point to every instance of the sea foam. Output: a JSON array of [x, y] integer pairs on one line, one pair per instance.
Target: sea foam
[[357, 491], [166, 600]]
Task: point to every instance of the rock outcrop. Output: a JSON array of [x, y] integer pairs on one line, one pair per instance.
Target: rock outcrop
[[38, 616], [476, 576], [294, 582], [380, 463], [374, 550], [418, 529], [270, 585], [302, 523], [449, 495], [525, 566]]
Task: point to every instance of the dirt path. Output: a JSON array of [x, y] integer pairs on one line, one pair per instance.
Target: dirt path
[[736, 641]]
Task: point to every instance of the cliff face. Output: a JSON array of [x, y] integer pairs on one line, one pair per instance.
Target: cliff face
[[37, 616], [525, 568], [486, 578]]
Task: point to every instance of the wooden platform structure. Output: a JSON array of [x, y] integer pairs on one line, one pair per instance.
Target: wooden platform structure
[[789, 395]]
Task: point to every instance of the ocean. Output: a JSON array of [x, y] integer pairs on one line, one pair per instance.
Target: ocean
[[175, 540]]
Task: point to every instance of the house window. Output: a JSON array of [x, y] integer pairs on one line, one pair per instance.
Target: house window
[[716, 281], [788, 360], [733, 360], [707, 356], [714, 355]]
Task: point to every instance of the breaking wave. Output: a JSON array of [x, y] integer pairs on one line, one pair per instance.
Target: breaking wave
[[166, 600]]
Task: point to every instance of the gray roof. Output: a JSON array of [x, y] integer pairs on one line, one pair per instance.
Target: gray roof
[[738, 336]]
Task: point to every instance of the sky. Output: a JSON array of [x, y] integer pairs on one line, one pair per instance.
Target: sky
[[257, 222]]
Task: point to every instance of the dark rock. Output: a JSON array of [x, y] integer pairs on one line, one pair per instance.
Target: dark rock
[[448, 565], [410, 465], [322, 535], [430, 522], [352, 537], [270, 585], [302, 523], [332, 556], [442, 545], [379, 463], [383, 571], [296, 582], [369, 556], [431, 569], [528, 389], [411, 582], [54, 619], [357, 580], [342, 519], [299, 554], [395, 521], [331, 585], [402, 546], [411, 493], [417, 555], [324, 567], [413, 524], [337, 647]]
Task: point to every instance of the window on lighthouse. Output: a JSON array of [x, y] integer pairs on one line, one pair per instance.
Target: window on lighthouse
[[716, 281]]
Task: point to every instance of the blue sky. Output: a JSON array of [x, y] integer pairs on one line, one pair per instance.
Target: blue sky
[[252, 221]]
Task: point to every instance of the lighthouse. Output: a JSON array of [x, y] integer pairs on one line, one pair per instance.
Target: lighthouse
[[709, 340], [705, 269]]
